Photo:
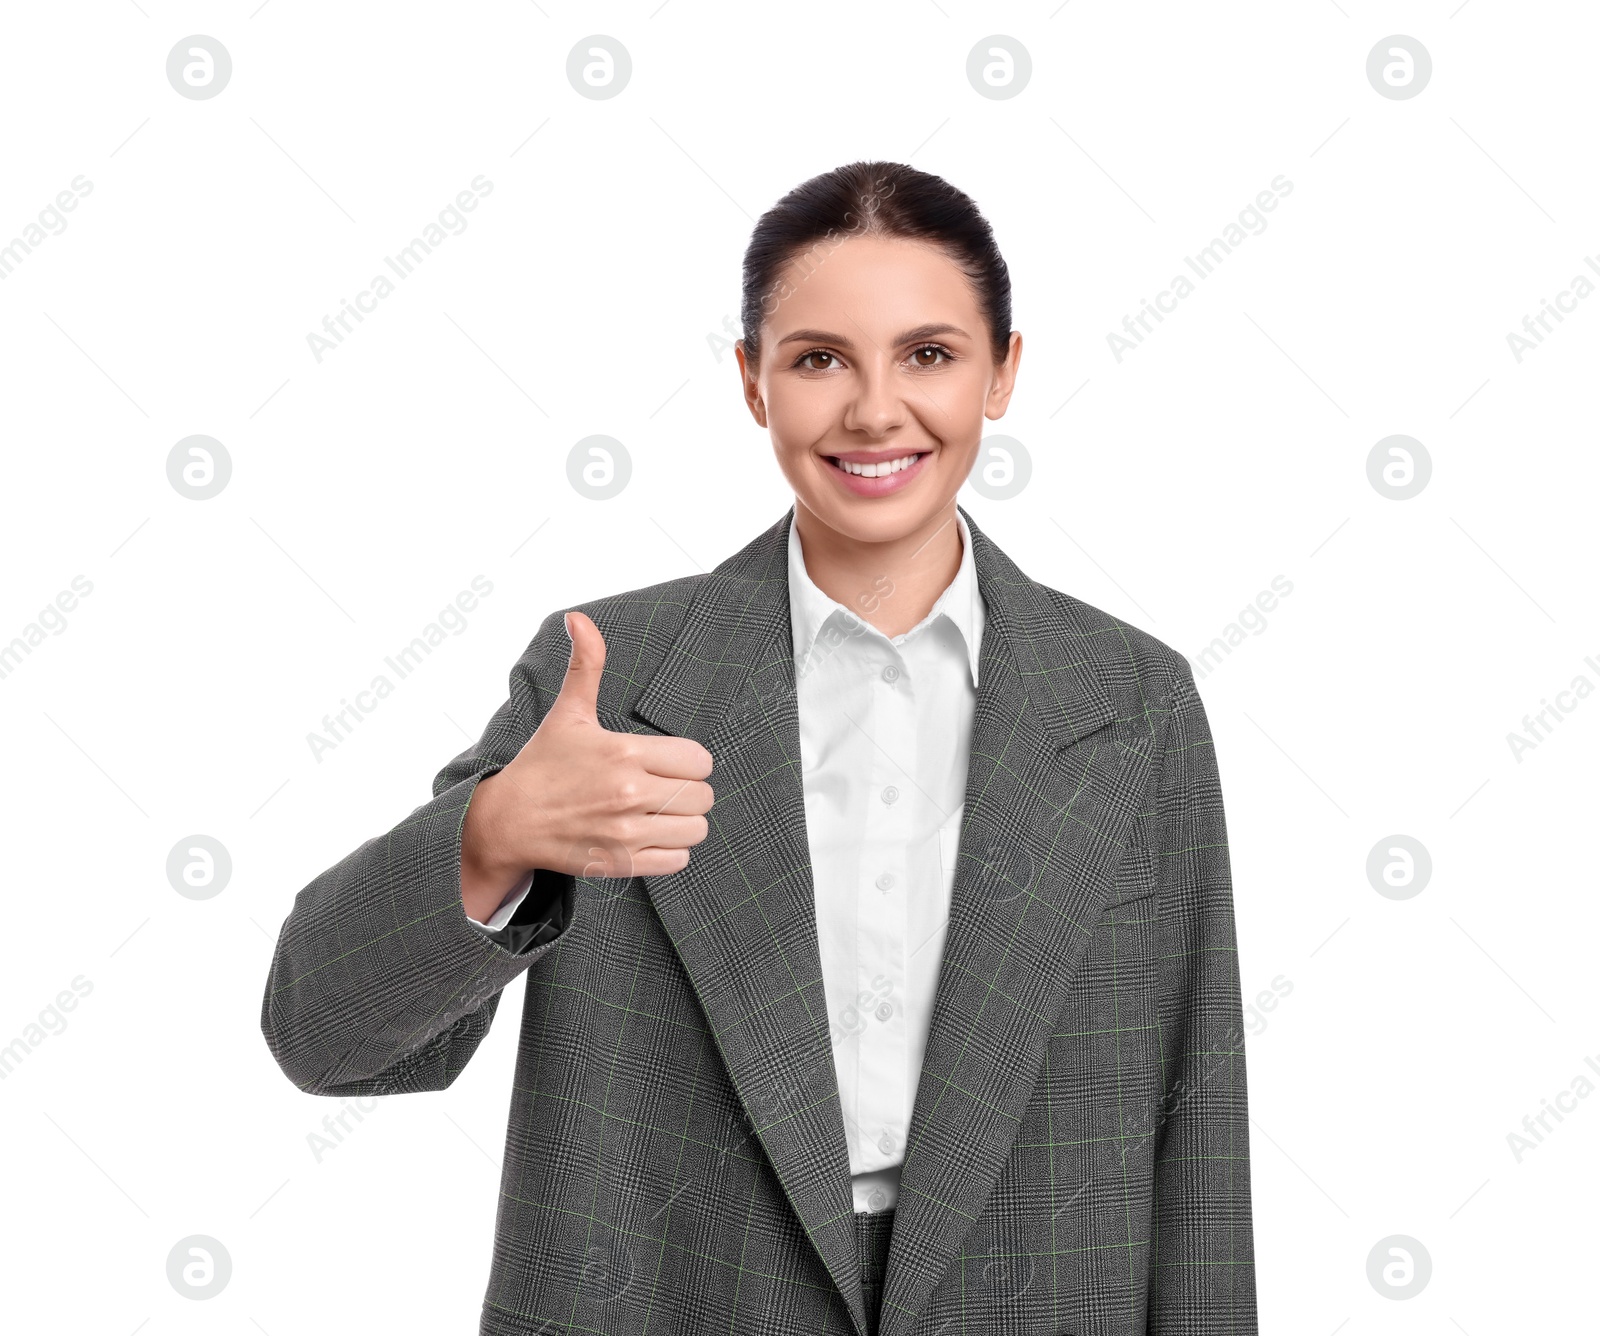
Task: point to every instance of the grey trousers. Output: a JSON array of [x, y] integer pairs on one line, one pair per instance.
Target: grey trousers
[[872, 1243]]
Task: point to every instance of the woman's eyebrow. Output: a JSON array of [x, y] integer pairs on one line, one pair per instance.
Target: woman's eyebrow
[[910, 335]]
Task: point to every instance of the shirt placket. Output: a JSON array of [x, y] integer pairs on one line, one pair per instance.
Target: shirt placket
[[886, 881]]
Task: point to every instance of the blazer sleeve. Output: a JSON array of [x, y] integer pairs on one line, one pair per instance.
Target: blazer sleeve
[[380, 983], [1202, 1253]]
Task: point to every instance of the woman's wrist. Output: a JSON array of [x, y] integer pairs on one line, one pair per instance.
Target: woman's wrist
[[487, 876]]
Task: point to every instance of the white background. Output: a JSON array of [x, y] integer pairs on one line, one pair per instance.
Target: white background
[[370, 488]]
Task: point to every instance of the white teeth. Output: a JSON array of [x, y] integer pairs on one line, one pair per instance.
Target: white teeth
[[878, 470]]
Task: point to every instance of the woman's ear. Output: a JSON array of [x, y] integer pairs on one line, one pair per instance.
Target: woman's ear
[[1005, 378], [750, 380]]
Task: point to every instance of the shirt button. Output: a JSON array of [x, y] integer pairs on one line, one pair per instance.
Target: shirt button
[[877, 1199], [891, 673], [886, 1144], [890, 794], [885, 881], [885, 1010]]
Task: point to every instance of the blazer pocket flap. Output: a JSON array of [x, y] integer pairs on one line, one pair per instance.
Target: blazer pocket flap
[[1136, 874]]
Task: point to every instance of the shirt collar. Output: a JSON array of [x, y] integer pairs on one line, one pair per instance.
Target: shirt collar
[[961, 603]]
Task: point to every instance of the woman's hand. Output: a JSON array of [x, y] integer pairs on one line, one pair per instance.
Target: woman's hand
[[581, 799]]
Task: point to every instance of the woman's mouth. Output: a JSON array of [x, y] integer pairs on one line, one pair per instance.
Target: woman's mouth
[[879, 474]]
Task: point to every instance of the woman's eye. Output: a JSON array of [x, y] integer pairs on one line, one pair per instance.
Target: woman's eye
[[929, 355]]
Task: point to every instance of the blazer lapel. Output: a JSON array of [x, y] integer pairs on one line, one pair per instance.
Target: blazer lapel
[[741, 915], [1056, 773]]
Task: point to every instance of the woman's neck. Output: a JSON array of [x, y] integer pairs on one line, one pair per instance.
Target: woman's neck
[[891, 585]]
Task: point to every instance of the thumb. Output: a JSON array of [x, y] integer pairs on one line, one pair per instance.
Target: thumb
[[580, 689]]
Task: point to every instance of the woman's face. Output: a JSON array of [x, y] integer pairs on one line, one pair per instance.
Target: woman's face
[[877, 353]]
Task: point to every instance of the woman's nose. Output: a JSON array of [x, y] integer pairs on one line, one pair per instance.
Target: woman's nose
[[877, 404]]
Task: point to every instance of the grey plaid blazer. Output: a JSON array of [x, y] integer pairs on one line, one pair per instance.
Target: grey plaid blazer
[[675, 1163]]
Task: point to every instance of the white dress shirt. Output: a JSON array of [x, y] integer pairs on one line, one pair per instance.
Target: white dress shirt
[[885, 727]]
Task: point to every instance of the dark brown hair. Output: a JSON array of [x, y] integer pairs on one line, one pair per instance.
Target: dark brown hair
[[872, 199]]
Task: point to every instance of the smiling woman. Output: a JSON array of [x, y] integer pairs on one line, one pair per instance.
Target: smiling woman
[[929, 1016], [875, 369]]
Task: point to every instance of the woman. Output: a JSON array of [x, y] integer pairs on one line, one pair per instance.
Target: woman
[[926, 1011]]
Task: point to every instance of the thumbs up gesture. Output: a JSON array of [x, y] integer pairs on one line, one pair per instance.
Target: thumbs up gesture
[[581, 799]]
